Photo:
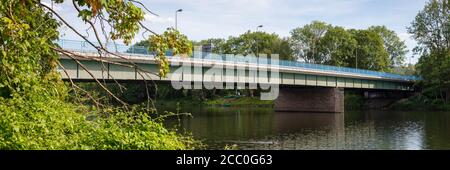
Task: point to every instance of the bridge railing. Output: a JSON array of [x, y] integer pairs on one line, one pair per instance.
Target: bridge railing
[[85, 47], [309, 66]]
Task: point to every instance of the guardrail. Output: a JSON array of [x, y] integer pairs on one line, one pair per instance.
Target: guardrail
[[82, 46]]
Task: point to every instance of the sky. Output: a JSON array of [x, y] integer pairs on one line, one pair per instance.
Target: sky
[[202, 19]]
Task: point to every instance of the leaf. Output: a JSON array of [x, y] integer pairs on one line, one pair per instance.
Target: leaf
[[85, 14], [96, 5]]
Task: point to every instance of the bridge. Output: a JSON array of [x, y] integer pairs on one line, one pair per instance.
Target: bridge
[[303, 86]]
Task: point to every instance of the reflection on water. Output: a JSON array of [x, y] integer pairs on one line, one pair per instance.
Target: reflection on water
[[262, 128]]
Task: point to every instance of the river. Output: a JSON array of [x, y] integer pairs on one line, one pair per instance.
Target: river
[[263, 128]]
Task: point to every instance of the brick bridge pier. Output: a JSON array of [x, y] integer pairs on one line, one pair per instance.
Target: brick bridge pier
[[310, 99]]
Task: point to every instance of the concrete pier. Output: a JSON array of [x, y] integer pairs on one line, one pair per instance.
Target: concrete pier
[[307, 99]]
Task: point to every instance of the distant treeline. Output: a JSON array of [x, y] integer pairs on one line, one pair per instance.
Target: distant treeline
[[376, 48]]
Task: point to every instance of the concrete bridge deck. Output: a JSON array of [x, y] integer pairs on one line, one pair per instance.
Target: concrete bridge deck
[[288, 75], [304, 87]]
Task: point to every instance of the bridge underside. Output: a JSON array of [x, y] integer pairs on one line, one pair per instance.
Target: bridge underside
[[310, 99]]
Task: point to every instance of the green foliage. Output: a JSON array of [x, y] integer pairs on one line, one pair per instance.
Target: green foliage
[[134, 131], [395, 47], [283, 48], [420, 102], [231, 147], [338, 46], [125, 21], [370, 53], [35, 112], [217, 43], [251, 43], [409, 69], [171, 40], [123, 16], [239, 101], [305, 41], [431, 29], [376, 48], [45, 123], [353, 101], [35, 30]]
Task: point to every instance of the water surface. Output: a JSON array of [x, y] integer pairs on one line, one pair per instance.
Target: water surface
[[263, 128]]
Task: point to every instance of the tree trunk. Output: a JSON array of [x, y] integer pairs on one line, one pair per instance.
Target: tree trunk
[[447, 96], [202, 94]]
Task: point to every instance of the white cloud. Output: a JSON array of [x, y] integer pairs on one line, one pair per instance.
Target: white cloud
[[405, 36], [410, 43], [155, 19]]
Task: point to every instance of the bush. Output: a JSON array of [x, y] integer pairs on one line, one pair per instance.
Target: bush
[[353, 101], [55, 124], [421, 102], [34, 111]]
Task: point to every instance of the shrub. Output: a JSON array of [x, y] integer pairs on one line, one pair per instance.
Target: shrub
[[55, 124]]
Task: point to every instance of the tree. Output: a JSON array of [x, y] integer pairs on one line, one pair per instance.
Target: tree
[[28, 61], [338, 47], [322, 43], [407, 69], [283, 48], [171, 40], [370, 52], [306, 40], [395, 47], [218, 44], [431, 29], [36, 111], [252, 43]]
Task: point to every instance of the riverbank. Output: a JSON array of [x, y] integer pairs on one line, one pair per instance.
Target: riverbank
[[227, 101], [353, 101], [421, 103], [240, 101]]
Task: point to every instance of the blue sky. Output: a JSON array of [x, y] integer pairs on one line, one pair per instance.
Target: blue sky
[[203, 19]]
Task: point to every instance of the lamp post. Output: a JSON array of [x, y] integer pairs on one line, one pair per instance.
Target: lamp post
[[257, 28], [176, 18], [356, 58], [257, 46]]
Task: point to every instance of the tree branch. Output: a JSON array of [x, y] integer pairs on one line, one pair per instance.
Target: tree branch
[[98, 82], [140, 3], [74, 86]]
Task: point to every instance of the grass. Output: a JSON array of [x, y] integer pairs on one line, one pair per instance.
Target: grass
[[239, 101], [222, 101]]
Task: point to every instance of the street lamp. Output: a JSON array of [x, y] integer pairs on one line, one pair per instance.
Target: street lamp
[[356, 59], [176, 18], [257, 46], [257, 28]]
